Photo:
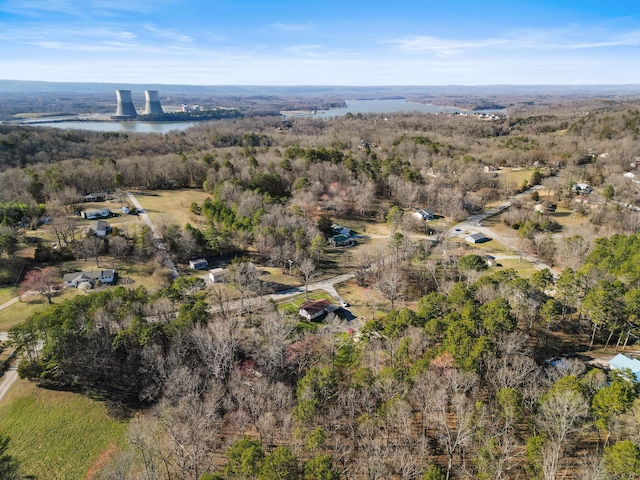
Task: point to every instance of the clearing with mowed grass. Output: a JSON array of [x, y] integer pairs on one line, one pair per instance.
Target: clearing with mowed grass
[[56, 435]]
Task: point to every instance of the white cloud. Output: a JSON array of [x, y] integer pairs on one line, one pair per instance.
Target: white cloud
[[168, 34], [441, 46], [570, 38]]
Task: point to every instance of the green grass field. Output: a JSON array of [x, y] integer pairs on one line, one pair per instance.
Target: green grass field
[[6, 294], [56, 435]]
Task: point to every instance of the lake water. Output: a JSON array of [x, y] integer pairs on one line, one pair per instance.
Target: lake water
[[380, 106], [383, 106], [120, 127]]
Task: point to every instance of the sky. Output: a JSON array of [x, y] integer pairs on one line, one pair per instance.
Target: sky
[[328, 42]]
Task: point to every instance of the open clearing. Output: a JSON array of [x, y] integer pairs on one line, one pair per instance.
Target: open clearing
[[56, 435], [171, 206]]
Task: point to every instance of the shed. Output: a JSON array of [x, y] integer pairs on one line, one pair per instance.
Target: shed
[[476, 238], [198, 264], [218, 275], [622, 362]]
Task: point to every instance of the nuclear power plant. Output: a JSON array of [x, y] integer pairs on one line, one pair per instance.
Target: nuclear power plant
[[125, 108], [152, 104]]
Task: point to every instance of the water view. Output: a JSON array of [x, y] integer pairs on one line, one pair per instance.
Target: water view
[[120, 127], [383, 106], [353, 106]]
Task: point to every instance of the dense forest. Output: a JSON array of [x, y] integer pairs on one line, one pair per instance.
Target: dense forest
[[455, 380]]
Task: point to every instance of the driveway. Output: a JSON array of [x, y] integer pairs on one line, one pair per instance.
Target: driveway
[[162, 249]]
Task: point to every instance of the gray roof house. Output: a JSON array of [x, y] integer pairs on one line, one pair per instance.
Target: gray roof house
[[423, 214], [76, 278], [100, 228]]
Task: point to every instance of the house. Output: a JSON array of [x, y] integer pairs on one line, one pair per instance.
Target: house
[[581, 189], [218, 275], [95, 197], [95, 214], [622, 362], [314, 309], [476, 238], [91, 278], [198, 264], [490, 168], [340, 241], [423, 214], [100, 228]]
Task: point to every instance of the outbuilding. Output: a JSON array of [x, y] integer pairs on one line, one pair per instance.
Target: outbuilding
[[198, 264], [476, 238]]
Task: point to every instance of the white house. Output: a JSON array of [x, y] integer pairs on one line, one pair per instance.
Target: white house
[[92, 278], [314, 309], [95, 214], [423, 214]]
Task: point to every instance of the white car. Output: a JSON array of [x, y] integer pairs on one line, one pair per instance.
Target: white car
[[343, 303]]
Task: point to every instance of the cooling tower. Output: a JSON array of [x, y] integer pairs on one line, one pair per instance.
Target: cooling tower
[[125, 105], [152, 102]]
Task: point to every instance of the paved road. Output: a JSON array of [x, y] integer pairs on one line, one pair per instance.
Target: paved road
[[162, 249], [474, 224], [9, 377]]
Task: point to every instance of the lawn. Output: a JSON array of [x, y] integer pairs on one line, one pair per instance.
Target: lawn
[[172, 206], [56, 435], [292, 305], [6, 294]]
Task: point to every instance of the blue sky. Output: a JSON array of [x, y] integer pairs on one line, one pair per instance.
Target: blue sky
[[249, 42]]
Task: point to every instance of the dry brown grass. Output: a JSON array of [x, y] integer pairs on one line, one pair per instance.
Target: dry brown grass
[[172, 206]]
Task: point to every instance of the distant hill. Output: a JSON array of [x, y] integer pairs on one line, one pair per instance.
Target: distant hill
[[19, 86]]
